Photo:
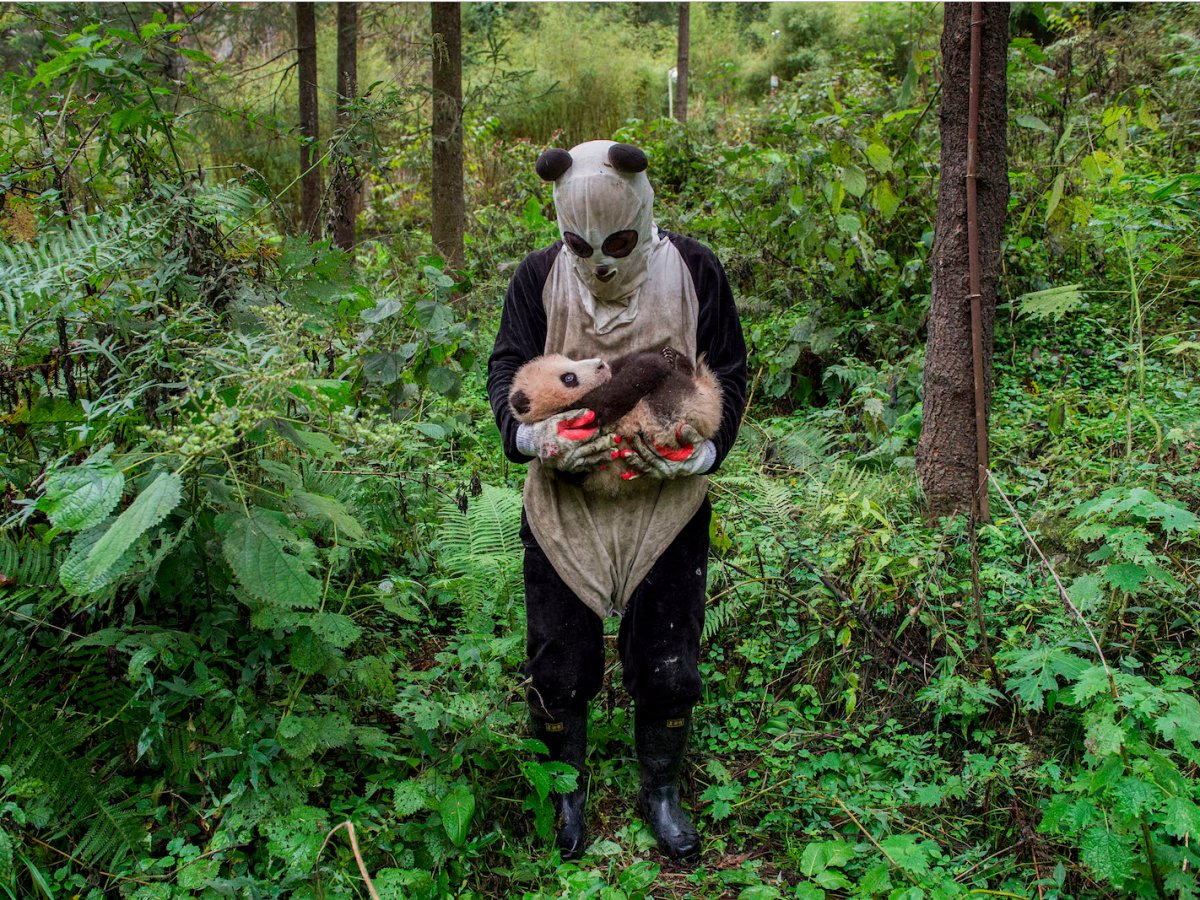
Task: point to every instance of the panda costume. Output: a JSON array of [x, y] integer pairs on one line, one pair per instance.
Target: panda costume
[[615, 284]]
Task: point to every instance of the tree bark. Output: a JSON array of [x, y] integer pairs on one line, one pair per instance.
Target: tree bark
[[681, 62], [946, 451], [447, 194], [310, 171], [345, 172]]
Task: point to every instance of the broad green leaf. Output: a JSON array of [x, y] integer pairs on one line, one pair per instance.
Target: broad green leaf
[[1040, 667], [81, 497], [536, 774], [271, 562], [331, 509], [1052, 302], [383, 367], [1135, 796], [151, 507], [409, 798], [880, 158], [822, 855], [1056, 192], [759, 892], [848, 223], [1181, 818], [1028, 121], [797, 200], [1106, 854], [854, 180], [74, 574], [909, 853], [1127, 577], [335, 629], [1093, 164], [383, 309], [458, 807], [639, 876], [317, 443], [445, 382], [1084, 591], [1092, 682], [884, 199]]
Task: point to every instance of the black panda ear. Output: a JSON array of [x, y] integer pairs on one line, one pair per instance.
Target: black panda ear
[[552, 163], [627, 158], [520, 402]]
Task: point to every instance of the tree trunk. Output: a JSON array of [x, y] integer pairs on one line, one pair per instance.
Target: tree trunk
[[310, 171], [345, 171], [447, 195], [947, 465], [681, 62]]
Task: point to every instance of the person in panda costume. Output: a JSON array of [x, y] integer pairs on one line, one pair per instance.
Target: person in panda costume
[[615, 284]]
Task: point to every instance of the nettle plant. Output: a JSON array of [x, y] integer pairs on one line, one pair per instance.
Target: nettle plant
[[1131, 805]]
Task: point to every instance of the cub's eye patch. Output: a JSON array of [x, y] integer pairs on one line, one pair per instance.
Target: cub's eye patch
[[520, 402], [578, 245], [569, 379], [620, 244]]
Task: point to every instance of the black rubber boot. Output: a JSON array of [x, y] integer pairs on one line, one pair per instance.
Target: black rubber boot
[[660, 747], [566, 739]]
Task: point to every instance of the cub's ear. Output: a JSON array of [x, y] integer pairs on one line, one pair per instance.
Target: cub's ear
[[552, 163], [519, 402], [627, 158]]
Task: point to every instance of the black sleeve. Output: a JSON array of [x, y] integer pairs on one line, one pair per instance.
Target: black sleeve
[[718, 337], [522, 336]]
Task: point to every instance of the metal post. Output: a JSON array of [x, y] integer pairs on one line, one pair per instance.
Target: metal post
[[981, 436]]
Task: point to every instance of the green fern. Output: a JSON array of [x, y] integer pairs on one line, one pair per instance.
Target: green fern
[[30, 573], [480, 549], [58, 263], [1052, 303], [38, 744]]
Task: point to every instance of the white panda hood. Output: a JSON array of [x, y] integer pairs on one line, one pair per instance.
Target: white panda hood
[[605, 215]]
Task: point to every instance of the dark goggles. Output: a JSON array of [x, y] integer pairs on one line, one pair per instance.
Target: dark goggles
[[618, 245]]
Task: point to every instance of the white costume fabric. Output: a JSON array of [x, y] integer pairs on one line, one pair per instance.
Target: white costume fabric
[[603, 547]]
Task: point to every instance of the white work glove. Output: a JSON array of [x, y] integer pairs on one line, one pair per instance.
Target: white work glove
[[567, 442], [693, 456]]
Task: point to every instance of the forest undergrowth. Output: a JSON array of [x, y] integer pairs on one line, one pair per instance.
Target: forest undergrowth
[[260, 572]]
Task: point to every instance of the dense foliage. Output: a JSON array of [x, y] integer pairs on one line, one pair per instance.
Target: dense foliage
[[259, 568]]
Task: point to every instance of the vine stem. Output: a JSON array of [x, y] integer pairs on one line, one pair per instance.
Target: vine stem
[[1062, 591], [362, 866]]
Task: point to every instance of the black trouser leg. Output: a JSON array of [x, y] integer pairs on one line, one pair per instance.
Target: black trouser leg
[[660, 651], [659, 640], [564, 642]]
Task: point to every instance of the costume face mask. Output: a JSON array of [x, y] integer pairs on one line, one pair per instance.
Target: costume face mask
[[605, 214]]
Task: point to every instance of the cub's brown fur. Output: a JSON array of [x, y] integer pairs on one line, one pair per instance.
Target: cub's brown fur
[[647, 392]]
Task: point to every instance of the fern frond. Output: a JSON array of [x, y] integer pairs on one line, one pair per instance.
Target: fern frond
[[480, 550], [103, 826], [1052, 303], [30, 571], [805, 447], [58, 263]]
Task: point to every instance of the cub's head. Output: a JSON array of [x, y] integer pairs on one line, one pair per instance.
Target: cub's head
[[552, 384]]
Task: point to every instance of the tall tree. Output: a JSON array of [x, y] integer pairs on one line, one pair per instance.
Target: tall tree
[[310, 172], [682, 47], [952, 450], [447, 196], [345, 193]]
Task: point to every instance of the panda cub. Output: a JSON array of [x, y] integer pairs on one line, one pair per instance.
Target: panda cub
[[647, 392]]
